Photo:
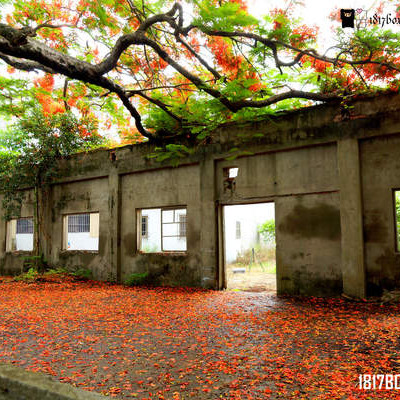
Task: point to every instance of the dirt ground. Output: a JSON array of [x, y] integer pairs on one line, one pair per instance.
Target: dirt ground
[[254, 278], [163, 343]]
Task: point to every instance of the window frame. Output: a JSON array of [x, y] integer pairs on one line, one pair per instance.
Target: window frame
[[64, 232], [396, 231], [139, 230], [9, 246]]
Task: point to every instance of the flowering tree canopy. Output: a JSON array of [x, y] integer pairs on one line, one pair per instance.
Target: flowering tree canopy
[[180, 69]]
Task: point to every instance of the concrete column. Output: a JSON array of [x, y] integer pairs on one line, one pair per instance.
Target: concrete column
[[208, 236], [351, 218], [46, 204], [114, 207]]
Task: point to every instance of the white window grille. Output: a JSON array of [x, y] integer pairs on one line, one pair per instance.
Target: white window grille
[[162, 229]]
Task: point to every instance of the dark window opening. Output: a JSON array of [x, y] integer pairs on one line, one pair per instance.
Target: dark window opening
[[24, 225]]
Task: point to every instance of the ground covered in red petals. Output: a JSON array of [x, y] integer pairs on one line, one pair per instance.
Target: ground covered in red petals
[[164, 343]]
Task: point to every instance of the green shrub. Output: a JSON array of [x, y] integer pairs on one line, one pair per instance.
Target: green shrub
[[137, 279], [36, 262], [29, 276], [56, 271], [267, 231], [83, 274]]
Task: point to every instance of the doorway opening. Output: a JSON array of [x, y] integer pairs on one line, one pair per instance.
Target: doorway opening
[[250, 246]]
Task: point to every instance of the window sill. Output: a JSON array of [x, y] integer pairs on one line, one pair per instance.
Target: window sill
[[20, 252], [79, 252], [163, 253]]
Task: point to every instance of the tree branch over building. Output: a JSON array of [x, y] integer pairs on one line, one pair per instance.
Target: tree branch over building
[[177, 74]]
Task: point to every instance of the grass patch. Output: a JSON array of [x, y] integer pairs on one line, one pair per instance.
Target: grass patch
[[30, 276], [137, 279]]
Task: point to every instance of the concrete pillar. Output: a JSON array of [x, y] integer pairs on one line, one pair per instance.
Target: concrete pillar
[[208, 236], [114, 207], [351, 218], [46, 204]]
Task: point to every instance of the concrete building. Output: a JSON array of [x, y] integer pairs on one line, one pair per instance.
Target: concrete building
[[332, 173]]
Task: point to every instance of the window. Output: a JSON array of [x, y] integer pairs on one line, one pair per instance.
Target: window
[[162, 229], [79, 223], [238, 231], [233, 172], [81, 232], [230, 174], [397, 217], [20, 235]]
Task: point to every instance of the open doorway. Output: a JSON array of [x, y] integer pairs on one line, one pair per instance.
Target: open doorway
[[250, 246]]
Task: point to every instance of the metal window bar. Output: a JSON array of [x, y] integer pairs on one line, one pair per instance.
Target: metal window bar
[[24, 225], [145, 226], [238, 230], [182, 225], [78, 223]]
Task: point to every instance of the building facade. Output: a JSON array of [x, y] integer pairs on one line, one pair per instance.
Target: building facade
[[332, 172]]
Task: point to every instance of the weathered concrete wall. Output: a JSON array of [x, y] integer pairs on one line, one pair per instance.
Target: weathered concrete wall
[[13, 263], [304, 185], [330, 171], [380, 162], [72, 198], [304, 224], [18, 384], [162, 188]]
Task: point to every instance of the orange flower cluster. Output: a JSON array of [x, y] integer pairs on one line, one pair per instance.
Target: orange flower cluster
[[303, 34], [130, 135], [158, 64], [49, 106], [224, 56], [46, 82], [278, 12], [376, 71], [255, 87], [318, 65]]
